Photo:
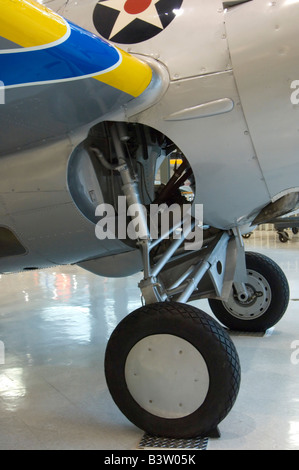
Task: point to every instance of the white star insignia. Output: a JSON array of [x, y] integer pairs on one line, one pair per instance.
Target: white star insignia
[[149, 14]]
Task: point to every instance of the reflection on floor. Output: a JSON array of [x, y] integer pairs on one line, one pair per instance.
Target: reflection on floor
[[54, 326]]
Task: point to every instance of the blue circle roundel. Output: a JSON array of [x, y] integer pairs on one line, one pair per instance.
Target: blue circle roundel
[[134, 21]]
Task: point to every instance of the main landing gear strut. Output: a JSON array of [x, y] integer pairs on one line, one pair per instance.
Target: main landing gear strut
[[171, 368]]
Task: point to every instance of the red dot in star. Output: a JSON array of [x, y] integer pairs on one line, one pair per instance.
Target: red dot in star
[[134, 7]]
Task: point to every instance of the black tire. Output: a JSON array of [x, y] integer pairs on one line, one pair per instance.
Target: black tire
[[179, 322], [295, 230], [283, 237], [262, 312]]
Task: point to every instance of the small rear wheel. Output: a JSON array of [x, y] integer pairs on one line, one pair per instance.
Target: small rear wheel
[[283, 236], [172, 370], [268, 297]]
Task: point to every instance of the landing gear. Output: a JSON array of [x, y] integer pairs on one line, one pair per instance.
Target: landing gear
[[172, 370], [283, 236], [267, 302]]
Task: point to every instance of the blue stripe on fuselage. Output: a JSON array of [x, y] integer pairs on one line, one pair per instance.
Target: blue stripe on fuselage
[[82, 54]]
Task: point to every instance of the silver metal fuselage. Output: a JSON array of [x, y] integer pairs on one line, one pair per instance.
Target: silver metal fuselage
[[222, 94]]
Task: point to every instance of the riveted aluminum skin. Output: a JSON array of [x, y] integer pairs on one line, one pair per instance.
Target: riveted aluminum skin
[[264, 45]]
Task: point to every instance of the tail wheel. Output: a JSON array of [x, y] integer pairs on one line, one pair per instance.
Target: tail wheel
[[283, 236], [172, 370], [268, 300]]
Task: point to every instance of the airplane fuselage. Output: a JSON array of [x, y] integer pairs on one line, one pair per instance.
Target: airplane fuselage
[[220, 90]]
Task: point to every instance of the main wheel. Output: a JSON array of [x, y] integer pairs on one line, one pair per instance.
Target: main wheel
[[268, 301], [172, 370]]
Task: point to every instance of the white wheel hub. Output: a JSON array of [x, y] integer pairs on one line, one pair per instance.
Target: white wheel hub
[[167, 376], [255, 307]]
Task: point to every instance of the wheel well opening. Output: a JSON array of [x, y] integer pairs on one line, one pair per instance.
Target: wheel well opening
[[163, 173]]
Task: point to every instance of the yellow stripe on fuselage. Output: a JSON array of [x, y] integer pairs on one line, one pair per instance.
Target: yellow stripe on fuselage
[[132, 76], [29, 24]]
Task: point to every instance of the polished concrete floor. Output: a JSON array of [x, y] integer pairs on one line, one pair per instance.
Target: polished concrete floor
[[54, 326]]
